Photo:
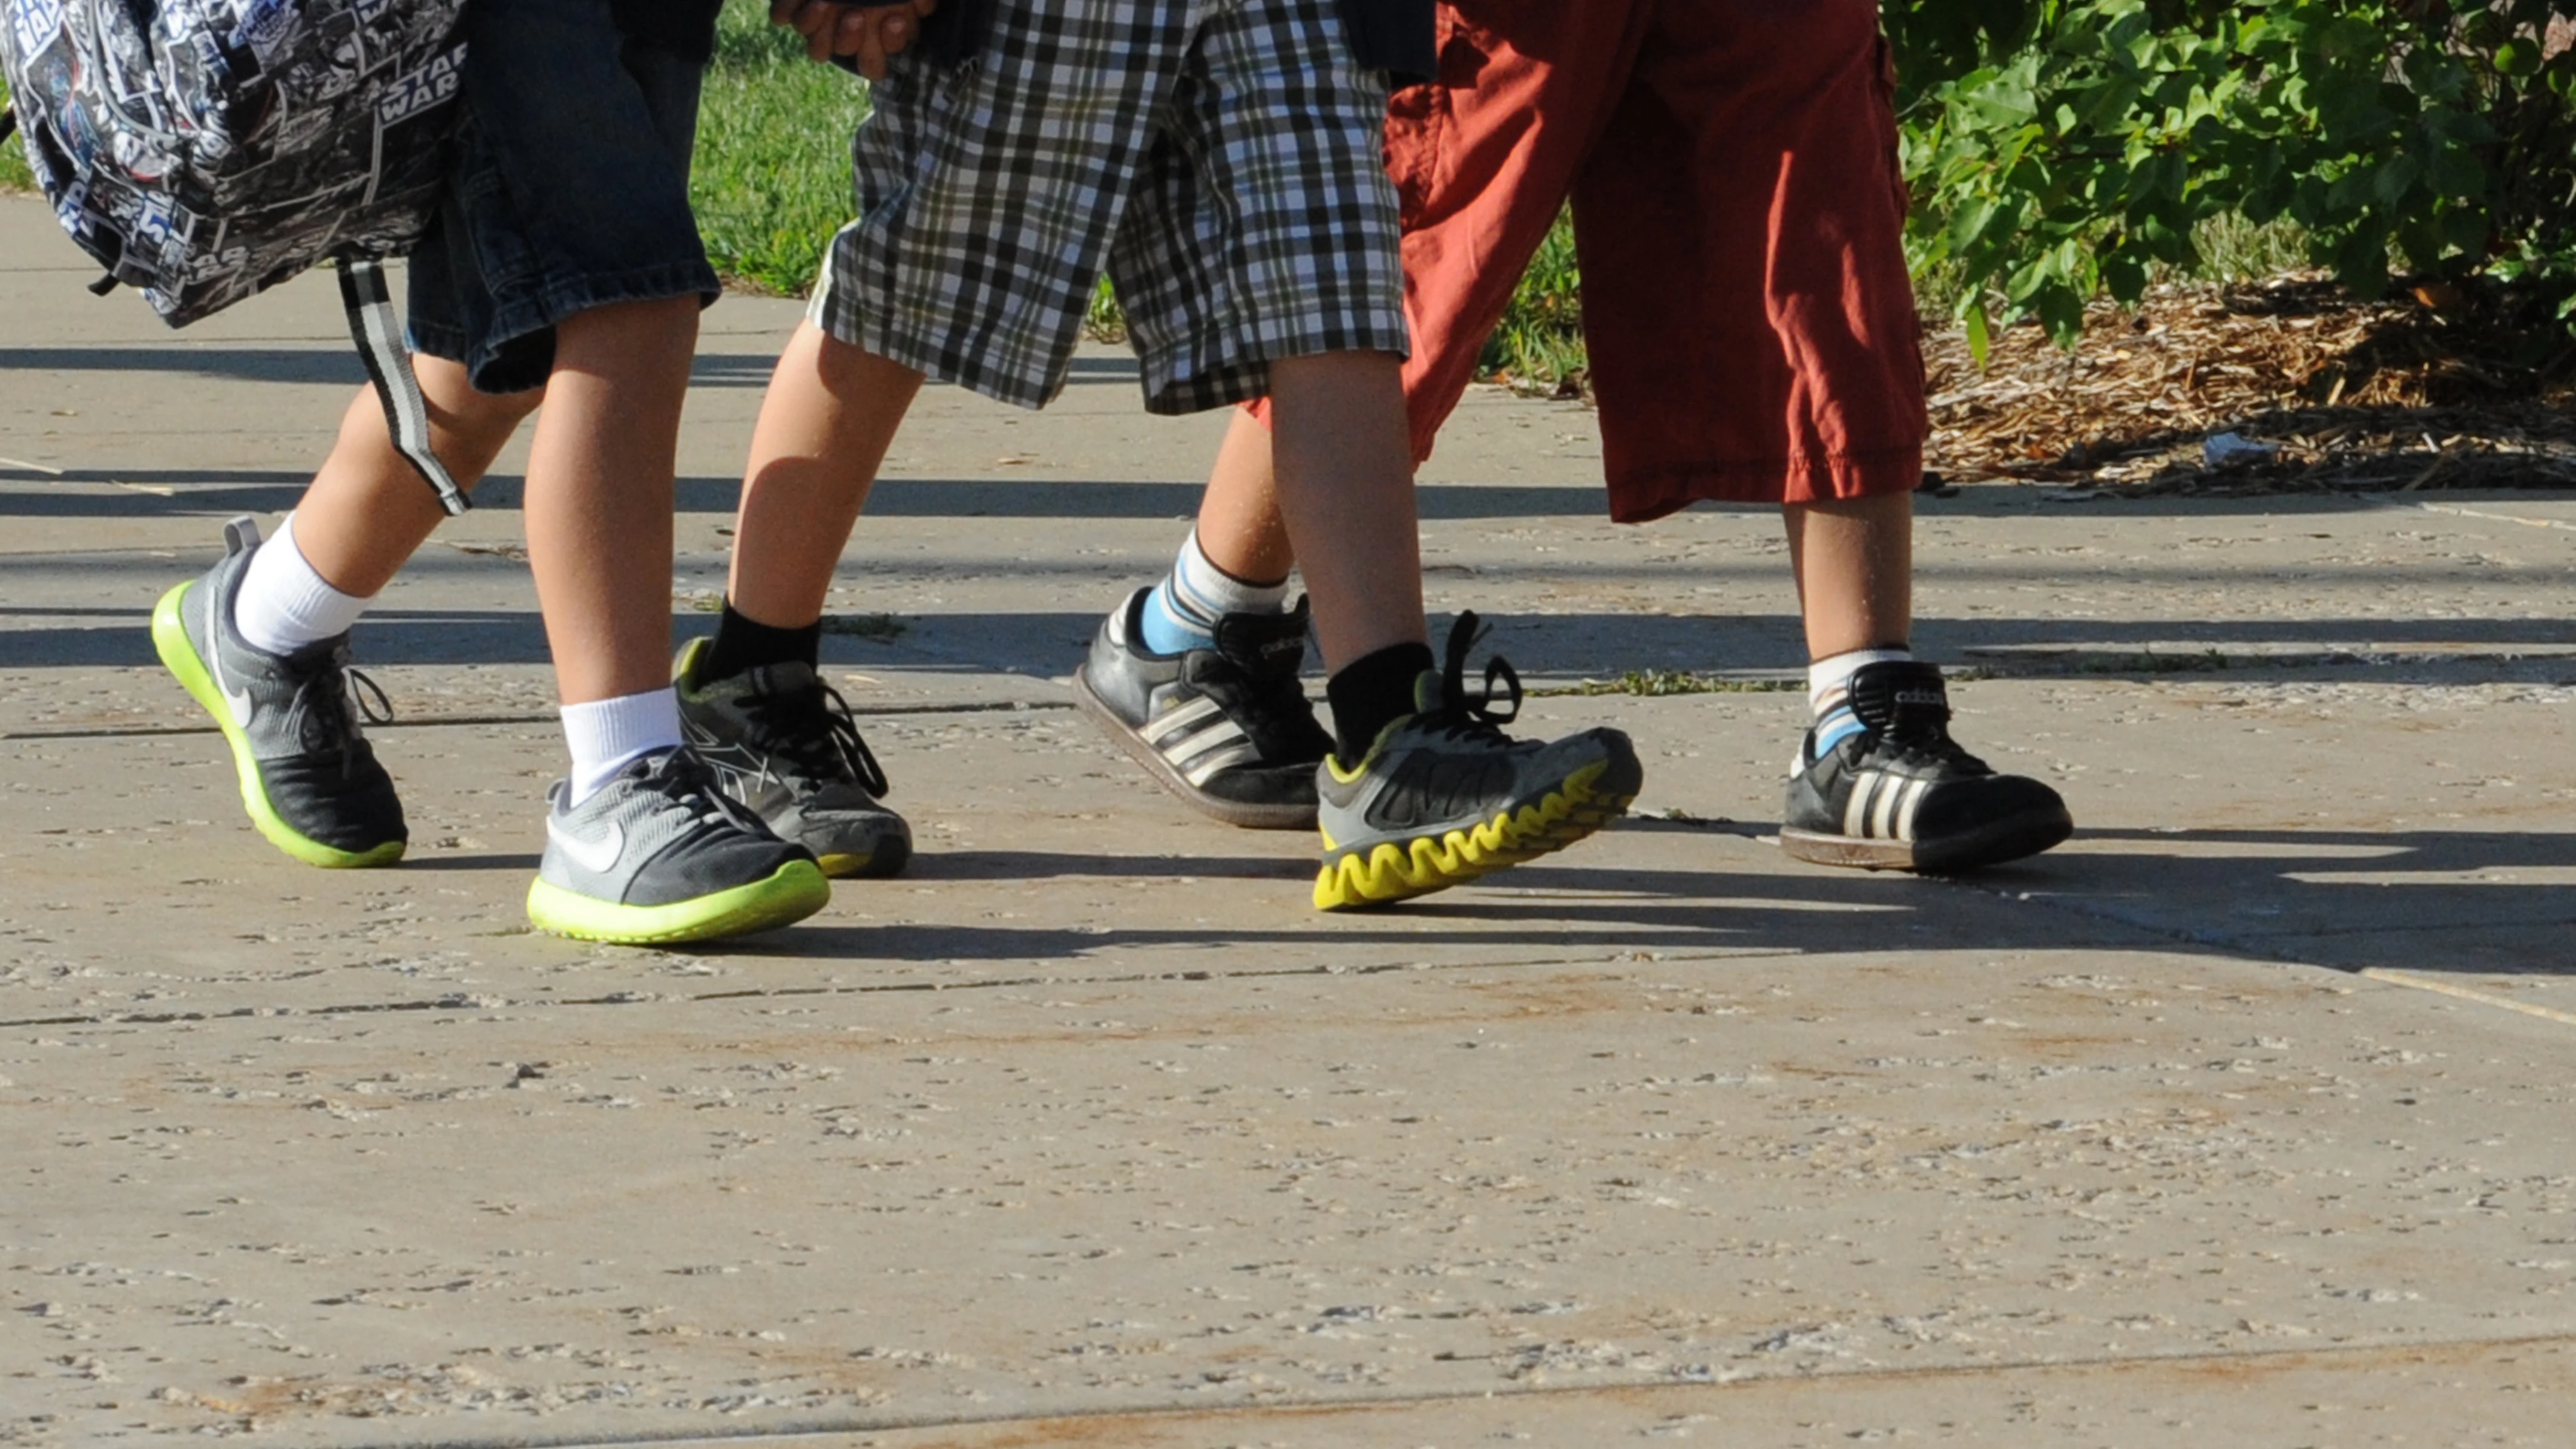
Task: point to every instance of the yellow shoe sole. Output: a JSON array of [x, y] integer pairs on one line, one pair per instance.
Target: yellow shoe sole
[[179, 655], [1396, 870], [796, 891]]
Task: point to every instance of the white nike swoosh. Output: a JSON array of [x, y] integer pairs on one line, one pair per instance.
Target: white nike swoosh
[[237, 700], [599, 857]]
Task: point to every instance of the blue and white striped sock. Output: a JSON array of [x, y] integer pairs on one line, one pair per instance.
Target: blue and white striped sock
[[1185, 606], [1829, 694]]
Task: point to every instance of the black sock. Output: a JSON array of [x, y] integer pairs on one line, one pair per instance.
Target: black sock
[[1370, 693], [743, 644]]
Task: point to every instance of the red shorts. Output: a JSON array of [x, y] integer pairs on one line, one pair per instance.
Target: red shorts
[[1738, 215]]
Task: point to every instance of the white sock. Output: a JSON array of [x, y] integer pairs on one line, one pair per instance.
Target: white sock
[[1183, 612], [284, 605], [608, 735], [1829, 694]]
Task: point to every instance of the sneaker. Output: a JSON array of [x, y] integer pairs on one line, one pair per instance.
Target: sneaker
[[1444, 796], [660, 855], [308, 776], [1228, 729], [1902, 795], [782, 742]]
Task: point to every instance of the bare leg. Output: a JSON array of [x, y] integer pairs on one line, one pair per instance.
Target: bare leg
[[600, 495], [367, 511], [1345, 487], [1854, 561], [831, 413], [1240, 527]]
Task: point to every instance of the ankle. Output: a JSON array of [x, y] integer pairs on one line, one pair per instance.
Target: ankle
[[607, 735], [1371, 693], [743, 644], [1829, 707], [284, 604], [1182, 612]]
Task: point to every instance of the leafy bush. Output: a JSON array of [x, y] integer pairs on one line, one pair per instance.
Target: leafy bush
[[2067, 147]]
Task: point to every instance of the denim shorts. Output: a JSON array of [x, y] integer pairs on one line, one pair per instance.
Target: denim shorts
[[569, 189]]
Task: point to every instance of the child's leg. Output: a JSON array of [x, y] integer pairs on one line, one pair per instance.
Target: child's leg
[[367, 510], [599, 500], [830, 414], [1345, 490], [1240, 526], [1854, 563], [753, 696], [1424, 790], [1482, 165]]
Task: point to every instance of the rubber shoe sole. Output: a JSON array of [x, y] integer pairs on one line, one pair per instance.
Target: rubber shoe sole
[[797, 890], [877, 866], [2005, 840], [1230, 812], [1394, 870], [180, 657]]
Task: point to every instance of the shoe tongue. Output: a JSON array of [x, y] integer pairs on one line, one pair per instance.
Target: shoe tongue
[[319, 654], [1896, 698], [1430, 692], [787, 676], [1264, 646]]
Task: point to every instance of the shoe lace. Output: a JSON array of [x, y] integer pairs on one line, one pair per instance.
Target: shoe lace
[[1925, 744], [1477, 717], [330, 704], [811, 729], [690, 784]]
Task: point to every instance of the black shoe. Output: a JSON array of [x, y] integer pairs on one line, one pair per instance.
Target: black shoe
[[1228, 729], [782, 742], [1444, 796], [1902, 795], [308, 777]]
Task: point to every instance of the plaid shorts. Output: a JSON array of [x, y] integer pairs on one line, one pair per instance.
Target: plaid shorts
[[1223, 159]]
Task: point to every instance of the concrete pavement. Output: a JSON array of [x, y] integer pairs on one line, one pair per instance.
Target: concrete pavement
[[2242, 1115]]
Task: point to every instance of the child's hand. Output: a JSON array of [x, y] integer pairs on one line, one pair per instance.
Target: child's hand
[[864, 32]]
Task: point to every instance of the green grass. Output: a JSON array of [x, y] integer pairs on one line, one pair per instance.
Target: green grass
[[883, 628], [772, 177], [14, 175], [1663, 683]]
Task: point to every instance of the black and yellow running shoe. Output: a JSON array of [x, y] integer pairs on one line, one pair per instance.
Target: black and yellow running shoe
[[1444, 796], [308, 776]]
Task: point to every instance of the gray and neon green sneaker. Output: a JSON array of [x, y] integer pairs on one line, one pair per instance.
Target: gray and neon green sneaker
[[782, 742], [308, 776], [661, 855], [1444, 796]]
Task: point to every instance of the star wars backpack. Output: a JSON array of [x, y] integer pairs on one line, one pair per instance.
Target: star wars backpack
[[206, 150]]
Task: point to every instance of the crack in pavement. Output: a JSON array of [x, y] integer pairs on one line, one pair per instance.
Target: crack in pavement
[[455, 721], [856, 1424], [473, 1001]]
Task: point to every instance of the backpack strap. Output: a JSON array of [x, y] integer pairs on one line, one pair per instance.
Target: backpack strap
[[379, 337]]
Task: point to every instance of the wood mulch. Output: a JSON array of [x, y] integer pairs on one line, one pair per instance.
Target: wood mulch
[[2428, 388]]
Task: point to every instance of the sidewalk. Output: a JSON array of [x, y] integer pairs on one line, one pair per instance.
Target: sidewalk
[[2243, 1118]]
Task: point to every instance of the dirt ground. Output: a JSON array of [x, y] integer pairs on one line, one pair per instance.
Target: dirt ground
[[2427, 388]]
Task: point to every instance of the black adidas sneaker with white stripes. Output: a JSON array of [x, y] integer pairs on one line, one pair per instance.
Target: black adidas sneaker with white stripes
[[1227, 729], [1902, 795]]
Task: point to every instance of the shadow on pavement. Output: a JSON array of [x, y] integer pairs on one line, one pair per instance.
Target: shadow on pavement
[[2451, 651], [2424, 901], [2488, 901]]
